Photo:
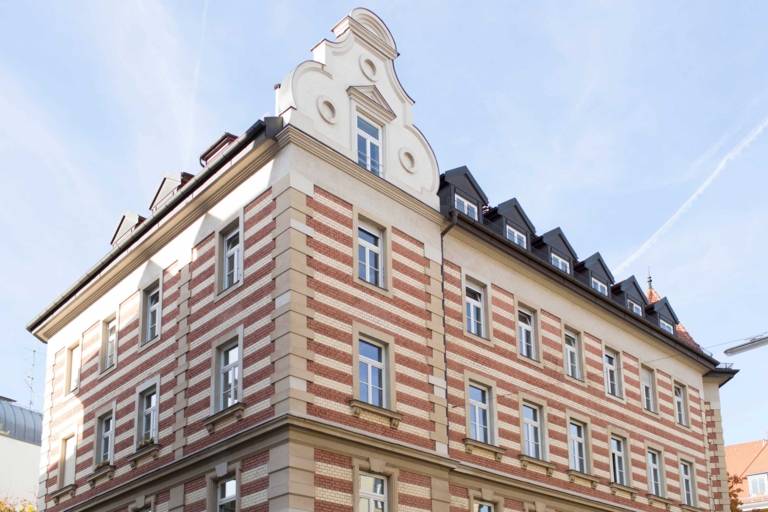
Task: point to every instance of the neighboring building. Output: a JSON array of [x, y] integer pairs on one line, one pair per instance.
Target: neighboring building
[[750, 461], [20, 430], [320, 320]]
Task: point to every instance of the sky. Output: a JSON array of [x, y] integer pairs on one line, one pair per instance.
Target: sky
[[637, 127]]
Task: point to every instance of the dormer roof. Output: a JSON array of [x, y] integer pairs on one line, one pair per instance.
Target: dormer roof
[[217, 148], [513, 211], [663, 308], [630, 288], [596, 266], [168, 187], [125, 226], [461, 178], [556, 239]]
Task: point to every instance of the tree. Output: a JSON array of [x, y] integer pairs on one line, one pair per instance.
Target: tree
[[7, 505], [734, 489]]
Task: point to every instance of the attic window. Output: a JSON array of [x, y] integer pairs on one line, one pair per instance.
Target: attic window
[[561, 263], [465, 206], [666, 326], [517, 237], [634, 307], [368, 145], [599, 286]]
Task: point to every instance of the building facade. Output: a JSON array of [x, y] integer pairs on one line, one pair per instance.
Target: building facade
[[320, 320], [749, 461], [20, 430]]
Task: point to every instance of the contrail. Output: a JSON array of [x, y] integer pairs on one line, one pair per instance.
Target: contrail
[[721, 165]]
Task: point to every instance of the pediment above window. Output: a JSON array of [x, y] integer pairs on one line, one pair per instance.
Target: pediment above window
[[372, 101]]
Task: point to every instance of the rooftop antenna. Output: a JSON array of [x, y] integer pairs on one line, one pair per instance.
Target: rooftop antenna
[[30, 380]]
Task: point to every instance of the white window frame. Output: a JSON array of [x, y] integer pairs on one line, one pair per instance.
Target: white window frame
[[149, 308], [648, 389], [483, 506], [371, 497], [655, 465], [532, 432], [67, 464], [681, 403], [526, 332], [517, 237], [231, 257], [599, 286], [480, 410], [74, 364], [465, 206], [108, 357], [105, 436], [223, 373], [222, 500], [755, 482], [612, 373], [578, 457], [573, 355], [635, 307], [474, 309], [372, 365], [687, 484], [666, 326], [369, 140], [559, 262], [153, 413], [619, 467], [364, 251]]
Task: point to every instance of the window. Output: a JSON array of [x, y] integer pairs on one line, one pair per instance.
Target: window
[[68, 455], [578, 446], [560, 263], [372, 374], [475, 309], [686, 483], [573, 355], [230, 250], [368, 146], [517, 237], [109, 345], [373, 494], [648, 388], [599, 286], [618, 460], [228, 382], [681, 404], [532, 431], [612, 365], [666, 326], [465, 206], [105, 440], [758, 484], [479, 413], [148, 415], [526, 333], [151, 312], [369, 254], [634, 307], [73, 368], [483, 507], [226, 495], [653, 461]]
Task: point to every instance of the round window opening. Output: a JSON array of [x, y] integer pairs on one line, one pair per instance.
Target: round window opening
[[326, 109], [368, 67], [407, 160]]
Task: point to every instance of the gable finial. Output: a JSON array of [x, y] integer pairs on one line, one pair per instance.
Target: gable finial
[[650, 279]]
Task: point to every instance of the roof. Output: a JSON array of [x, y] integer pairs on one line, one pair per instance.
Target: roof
[[552, 237], [459, 174], [748, 458], [20, 423], [511, 209], [593, 261]]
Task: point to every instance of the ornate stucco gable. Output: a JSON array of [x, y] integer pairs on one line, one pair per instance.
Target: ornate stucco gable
[[355, 75]]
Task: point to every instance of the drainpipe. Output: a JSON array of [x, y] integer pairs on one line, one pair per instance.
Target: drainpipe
[[454, 219]]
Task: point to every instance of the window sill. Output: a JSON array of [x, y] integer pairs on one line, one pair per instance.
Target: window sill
[[660, 499], [617, 398], [529, 360], [470, 445], [480, 339], [106, 371], [527, 460], [67, 490], [144, 345], [373, 286], [221, 293], [574, 475], [146, 450], [358, 406], [616, 488], [690, 508], [233, 411], [102, 470]]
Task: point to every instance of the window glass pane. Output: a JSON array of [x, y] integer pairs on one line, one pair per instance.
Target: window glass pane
[[367, 127], [374, 157], [370, 351], [362, 151], [477, 394], [368, 236]]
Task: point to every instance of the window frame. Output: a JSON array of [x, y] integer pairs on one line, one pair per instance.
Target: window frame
[[458, 199], [574, 443], [222, 472], [369, 496], [480, 316], [517, 236], [577, 351], [561, 263], [691, 480], [139, 434], [231, 227], [655, 472], [537, 426], [73, 367], [100, 436], [146, 293], [221, 350], [617, 370], [680, 404], [369, 139], [106, 343], [631, 305], [651, 390], [368, 333], [600, 285], [533, 329], [666, 326], [64, 467], [490, 507], [373, 364], [760, 477], [613, 458], [381, 251], [487, 407]]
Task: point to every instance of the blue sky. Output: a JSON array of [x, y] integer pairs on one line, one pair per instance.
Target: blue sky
[[603, 118]]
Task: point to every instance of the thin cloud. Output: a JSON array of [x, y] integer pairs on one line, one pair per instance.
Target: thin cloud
[[734, 153]]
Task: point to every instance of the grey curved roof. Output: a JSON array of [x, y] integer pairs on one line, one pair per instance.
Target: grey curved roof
[[20, 423]]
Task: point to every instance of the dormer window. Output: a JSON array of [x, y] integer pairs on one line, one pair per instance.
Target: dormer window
[[517, 237], [560, 263], [634, 307], [599, 286], [465, 206], [368, 145], [666, 326]]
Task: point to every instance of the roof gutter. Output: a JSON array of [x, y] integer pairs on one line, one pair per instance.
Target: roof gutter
[[265, 128]]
